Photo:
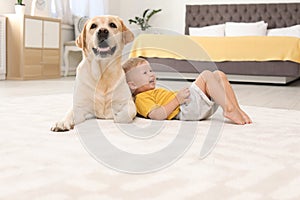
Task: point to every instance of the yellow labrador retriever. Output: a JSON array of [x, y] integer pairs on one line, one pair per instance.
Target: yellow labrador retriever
[[100, 89]]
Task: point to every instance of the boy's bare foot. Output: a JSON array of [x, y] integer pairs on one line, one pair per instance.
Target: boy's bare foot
[[235, 115], [246, 117]]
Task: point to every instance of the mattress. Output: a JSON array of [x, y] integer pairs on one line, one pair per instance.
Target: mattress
[[218, 49]]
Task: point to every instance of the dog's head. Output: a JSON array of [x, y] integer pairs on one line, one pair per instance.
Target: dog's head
[[104, 36]]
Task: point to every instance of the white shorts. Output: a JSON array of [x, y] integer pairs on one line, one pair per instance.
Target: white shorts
[[200, 106]]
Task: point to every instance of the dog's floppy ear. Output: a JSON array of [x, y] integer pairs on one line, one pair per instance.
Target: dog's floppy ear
[[80, 41], [127, 34]]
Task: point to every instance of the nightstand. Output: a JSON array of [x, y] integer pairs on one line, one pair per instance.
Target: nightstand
[[71, 61]]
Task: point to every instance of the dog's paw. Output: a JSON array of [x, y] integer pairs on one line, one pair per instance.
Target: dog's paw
[[123, 120], [124, 117], [62, 126]]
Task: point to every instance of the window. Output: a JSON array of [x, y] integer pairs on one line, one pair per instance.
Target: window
[[65, 9]]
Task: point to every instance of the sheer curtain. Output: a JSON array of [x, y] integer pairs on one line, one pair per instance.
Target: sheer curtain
[[65, 9]]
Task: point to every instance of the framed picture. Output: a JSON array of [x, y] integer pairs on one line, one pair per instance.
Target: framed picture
[[41, 8]]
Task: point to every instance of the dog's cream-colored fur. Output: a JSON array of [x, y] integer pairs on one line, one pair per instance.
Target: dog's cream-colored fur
[[100, 88]]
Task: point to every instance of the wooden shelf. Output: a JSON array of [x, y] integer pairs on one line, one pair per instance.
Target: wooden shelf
[[33, 47]]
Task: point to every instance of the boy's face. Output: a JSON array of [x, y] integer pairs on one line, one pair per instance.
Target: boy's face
[[141, 77]]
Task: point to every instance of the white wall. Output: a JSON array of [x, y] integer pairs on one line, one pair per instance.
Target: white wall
[[8, 6], [170, 9], [172, 16], [173, 11]]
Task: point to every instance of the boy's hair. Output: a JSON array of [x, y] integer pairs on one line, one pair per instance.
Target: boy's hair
[[132, 63]]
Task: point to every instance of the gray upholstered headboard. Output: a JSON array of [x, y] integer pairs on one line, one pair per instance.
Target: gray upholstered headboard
[[276, 15]]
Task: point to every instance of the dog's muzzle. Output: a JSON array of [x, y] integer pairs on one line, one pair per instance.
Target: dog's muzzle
[[104, 49]]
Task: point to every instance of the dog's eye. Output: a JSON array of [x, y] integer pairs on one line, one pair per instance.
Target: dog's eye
[[93, 26], [113, 25]]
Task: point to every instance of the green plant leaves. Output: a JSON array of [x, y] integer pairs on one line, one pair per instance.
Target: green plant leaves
[[143, 21]]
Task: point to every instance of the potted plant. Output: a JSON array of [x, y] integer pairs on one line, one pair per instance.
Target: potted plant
[[20, 7], [143, 21]]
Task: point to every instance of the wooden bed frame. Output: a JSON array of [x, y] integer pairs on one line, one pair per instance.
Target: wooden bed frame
[[276, 15]]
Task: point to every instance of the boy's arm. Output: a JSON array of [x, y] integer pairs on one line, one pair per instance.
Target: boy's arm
[[164, 111]]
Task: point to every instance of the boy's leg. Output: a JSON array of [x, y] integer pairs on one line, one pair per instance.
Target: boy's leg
[[214, 89], [221, 76]]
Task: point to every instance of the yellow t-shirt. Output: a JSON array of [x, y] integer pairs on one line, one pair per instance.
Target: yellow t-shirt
[[147, 101]]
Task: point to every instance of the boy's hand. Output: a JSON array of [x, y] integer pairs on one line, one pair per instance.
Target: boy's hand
[[183, 96]]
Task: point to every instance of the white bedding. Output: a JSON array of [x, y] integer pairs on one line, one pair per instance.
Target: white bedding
[[258, 161]]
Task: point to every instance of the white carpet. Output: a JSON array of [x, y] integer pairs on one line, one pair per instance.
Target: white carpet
[[258, 161]]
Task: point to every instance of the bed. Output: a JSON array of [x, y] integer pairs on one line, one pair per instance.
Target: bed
[[280, 70]]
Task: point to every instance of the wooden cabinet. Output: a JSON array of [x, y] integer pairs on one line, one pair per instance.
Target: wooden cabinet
[[33, 47]]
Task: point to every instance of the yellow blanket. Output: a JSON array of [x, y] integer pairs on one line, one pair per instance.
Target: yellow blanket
[[247, 48]]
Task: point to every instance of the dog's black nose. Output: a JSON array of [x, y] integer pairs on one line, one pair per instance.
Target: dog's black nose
[[103, 34]]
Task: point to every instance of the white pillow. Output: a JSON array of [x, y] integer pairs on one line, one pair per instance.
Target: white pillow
[[210, 31], [246, 29], [79, 24], [292, 31]]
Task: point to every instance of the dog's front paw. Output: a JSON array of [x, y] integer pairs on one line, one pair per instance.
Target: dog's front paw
[[125, 116], [62, 126], [123, 120]]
